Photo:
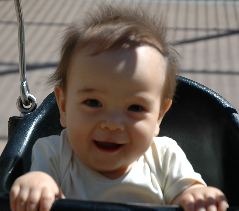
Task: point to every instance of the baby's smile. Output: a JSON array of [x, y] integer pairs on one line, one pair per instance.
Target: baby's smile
[[108, 146]]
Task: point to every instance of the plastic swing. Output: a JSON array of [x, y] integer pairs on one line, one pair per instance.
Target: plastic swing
[[204, 124]]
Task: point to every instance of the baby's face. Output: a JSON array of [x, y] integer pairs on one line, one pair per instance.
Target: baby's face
[[112, 106]]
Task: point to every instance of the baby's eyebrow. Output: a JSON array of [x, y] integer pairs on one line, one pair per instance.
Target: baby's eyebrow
[[88, 90], [144, 99]]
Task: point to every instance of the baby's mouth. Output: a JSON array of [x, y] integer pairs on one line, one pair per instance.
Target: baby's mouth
[[108, 146]]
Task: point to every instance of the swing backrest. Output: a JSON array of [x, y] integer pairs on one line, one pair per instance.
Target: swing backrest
[[203, 123], [207, 128]]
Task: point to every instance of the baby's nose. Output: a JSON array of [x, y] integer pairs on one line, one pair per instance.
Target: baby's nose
[[112, 125]]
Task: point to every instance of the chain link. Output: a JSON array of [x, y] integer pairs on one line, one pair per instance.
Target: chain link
[[26, 102]]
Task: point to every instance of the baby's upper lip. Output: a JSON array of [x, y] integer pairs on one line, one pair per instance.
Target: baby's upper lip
[[109, 136]]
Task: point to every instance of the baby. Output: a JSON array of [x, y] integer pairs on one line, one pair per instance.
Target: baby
[[114, 83]]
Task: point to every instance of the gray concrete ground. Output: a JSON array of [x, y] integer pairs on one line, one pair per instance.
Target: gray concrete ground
[[207, 31]]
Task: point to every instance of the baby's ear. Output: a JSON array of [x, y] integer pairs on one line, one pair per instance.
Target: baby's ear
[[163, 110], [61, 103]]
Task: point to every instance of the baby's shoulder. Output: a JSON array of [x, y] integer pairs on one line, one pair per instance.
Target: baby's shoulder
[[52, 142], [164, 146], [164, 142]]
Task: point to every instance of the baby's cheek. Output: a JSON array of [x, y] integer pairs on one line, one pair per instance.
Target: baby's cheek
[[80, 125], [143, 135]]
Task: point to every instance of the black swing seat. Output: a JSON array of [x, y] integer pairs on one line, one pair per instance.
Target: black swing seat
[[204, 124]]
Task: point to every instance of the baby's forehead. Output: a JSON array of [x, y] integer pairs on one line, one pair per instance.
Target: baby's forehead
[[139, 63], [125, 52], [145, 59]]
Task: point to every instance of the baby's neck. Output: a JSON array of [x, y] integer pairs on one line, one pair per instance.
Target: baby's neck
[[115, 174]]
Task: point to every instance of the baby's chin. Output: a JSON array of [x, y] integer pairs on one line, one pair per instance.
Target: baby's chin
[[114, 174]]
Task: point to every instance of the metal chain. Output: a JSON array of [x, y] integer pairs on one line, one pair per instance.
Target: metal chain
[[26, 102]]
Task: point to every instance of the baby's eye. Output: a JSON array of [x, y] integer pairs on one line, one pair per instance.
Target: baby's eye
[[92, 103], [136, 108]]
